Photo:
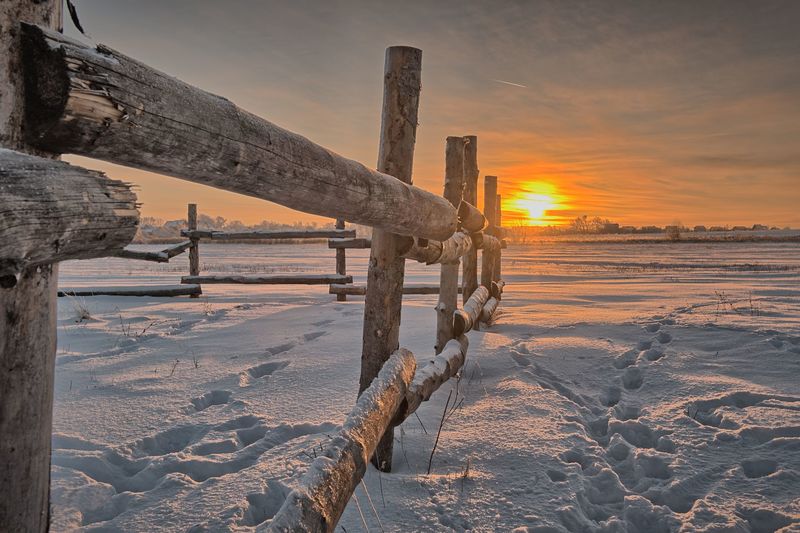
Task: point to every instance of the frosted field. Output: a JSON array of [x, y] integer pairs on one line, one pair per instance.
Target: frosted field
[[622, 388]]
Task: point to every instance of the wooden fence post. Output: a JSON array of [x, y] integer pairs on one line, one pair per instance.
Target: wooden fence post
[[498, 274], [490, 211], [448, 279], [469, 281], [27, 316], [341, 261], [194, 248], [384, 298]]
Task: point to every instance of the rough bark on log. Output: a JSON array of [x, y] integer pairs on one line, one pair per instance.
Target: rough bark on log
[[27, 318], [497, 289], [430, 377], [142, 290], [350, 243], [436, 252], [498, 232], [272, 279], [470, 218], [140, 255], [384, 298], [102, 104], [490, 247], [194, 248], [469, 275], [177, 249], [341, 260], [479, 238], [488, 310], [256, 235], [465, 319], [323, 492], [51, 211], [490, 201], [361, 290], [448, 279], [162, 256]]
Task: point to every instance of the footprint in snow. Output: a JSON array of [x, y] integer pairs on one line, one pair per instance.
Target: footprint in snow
[[632, 378], [211, 398], [313, 335], [264, 370]]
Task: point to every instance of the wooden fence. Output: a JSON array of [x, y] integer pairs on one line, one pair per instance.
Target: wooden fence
[[66, 97]]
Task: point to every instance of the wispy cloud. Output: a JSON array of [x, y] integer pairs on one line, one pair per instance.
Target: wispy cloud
[[511, 83]]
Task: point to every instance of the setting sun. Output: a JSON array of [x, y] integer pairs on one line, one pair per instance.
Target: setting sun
[[537, 204]]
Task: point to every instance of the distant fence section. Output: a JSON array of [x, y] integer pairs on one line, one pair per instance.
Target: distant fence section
[[196, 235], [68, 97]]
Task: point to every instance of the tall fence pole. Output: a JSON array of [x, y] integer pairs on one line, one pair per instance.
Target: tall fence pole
[[490, 211], [341, 261], [194, 248], [448, 280], [384, 298], [469, 276], [27, 316], [498, 274]]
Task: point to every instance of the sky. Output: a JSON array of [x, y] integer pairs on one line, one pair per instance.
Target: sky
[[642, 112]]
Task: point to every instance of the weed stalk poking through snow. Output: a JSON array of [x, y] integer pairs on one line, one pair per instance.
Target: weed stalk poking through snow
[[439, 432]]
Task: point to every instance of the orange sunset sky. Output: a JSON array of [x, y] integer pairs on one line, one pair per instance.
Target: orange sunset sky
[[644, 112]]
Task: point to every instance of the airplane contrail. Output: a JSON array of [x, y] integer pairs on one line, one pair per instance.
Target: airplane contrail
[[510, 83]]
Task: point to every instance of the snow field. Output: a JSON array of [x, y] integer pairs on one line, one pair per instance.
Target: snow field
[[606, 397]]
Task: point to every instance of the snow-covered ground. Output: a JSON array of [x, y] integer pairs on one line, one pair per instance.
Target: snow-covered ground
[[622, 388]]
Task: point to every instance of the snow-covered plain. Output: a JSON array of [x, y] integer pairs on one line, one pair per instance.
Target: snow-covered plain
[[622, 388]]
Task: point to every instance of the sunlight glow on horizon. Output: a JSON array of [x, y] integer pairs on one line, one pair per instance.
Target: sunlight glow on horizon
[[537, 204]]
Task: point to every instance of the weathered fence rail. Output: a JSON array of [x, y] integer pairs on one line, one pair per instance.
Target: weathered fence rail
[[102, 104], [51, 211], [265, 235], [162, 256], [99, 103]]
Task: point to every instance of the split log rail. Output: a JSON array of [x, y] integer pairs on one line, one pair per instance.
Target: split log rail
[[67, 97]]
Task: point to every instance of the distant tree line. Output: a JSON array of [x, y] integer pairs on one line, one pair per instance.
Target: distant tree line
[[158, 230]]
